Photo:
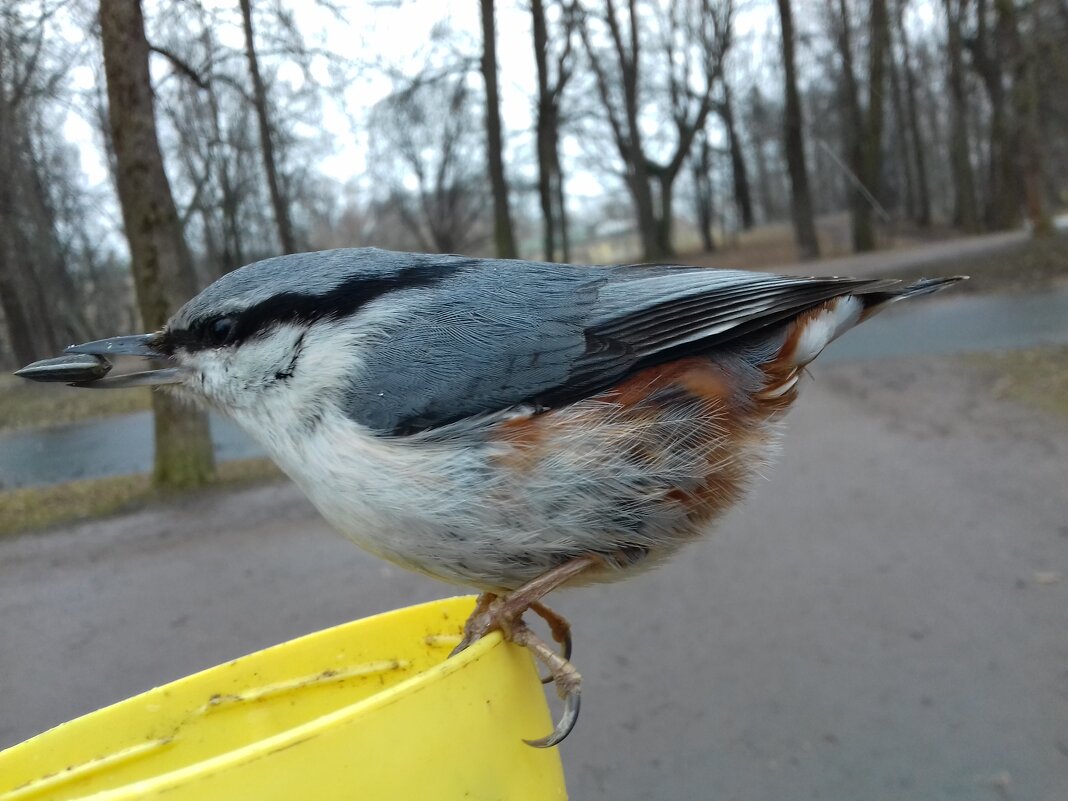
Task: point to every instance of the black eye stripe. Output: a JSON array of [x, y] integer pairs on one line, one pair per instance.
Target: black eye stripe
[[299, 307]]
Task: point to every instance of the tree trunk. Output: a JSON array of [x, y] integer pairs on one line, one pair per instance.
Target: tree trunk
[[561, 207], [793, 136], [270, 167], [33, 333], [1026, 101], [648, 228], [990, 58], [739, 175], [872, 142], [863, 233], [20, 334], [503, 236], [923, 192], [550, 179], [162, 268], [765, 193], [704, 201], [965, 214], [666, 220], [546, 198], [906, 183]]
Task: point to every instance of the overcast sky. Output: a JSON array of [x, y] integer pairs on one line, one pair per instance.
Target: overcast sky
[[398, 35]]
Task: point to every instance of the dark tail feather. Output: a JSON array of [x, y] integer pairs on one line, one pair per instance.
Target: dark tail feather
[[877, 301], [925, 286]]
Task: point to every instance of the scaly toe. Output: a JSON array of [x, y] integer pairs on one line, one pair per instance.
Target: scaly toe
[[563, 673], [561, 631]]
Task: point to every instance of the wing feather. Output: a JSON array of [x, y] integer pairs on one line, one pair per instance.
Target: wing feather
[[495, 336], [650, 315]]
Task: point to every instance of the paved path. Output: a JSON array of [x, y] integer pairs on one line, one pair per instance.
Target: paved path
[[882, 620], [884, 263]]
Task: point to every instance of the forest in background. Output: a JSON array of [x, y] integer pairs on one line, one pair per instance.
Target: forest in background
[[234, 130]]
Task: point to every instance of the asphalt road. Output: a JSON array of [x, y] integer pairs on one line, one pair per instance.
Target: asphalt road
[[885, 618]]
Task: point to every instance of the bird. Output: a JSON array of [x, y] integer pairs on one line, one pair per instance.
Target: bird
[[510, 426]]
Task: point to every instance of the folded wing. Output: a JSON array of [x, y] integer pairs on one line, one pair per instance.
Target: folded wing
[[500, 335]]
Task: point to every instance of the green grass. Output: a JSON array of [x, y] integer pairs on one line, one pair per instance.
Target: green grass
[[33, 508], [28, 405], [1037, 377]]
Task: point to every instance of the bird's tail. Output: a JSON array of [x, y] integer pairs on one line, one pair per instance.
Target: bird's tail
[[814, 330], [881, 297]]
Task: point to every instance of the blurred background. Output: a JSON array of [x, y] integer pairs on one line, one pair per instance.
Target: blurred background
[[886, 619]]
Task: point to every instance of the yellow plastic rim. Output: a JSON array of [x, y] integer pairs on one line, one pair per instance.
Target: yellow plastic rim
[[370, 709]]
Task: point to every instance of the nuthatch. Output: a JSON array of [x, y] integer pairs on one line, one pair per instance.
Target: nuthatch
[[505, 425]]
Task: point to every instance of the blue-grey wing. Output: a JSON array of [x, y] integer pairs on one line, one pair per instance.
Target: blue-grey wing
[[495, 335]]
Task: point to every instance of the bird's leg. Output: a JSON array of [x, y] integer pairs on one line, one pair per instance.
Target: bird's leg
[[505, 614], [482, 605], [494, 613]]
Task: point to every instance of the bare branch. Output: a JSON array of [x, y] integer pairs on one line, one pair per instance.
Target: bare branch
[[180, 65]]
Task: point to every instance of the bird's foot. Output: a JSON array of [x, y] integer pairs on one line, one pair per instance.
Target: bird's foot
[[563, 674], [505, 614], [559, 628]]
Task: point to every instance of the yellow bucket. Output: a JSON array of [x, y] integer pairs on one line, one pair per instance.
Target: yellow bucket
[[368, 710]]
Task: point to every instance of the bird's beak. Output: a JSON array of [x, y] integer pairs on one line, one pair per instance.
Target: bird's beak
[[89, 364]]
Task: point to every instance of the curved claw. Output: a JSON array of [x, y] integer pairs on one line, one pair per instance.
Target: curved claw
[[572, 704], [460, 646]]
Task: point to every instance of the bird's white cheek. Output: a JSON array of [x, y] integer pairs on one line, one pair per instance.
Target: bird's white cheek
[[210, 378]]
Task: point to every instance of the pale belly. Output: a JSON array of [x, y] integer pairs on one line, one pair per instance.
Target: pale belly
[[492, 513]]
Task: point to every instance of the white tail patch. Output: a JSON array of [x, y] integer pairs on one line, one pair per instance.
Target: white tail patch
[[820, 329]]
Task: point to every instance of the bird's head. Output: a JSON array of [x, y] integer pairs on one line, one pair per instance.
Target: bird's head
[[281, 335]]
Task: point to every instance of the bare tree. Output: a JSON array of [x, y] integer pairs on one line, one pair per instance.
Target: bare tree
[[162, 267], [793, 137], [278, 200], [503, 235], [51, 253], [551, 83], [693, 40], [425, 147]]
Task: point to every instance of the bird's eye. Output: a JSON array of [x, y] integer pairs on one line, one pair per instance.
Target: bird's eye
[[222, 331]]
